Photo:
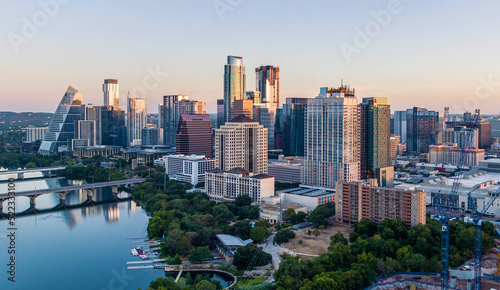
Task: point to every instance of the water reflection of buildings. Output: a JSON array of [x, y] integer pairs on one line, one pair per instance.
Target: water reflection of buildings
[[111, 213], [132, 206]]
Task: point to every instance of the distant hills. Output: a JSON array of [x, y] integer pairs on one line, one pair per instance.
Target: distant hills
[[13, 120]]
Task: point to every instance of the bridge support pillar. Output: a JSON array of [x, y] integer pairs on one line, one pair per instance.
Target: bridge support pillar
[[20, 176], [62, 197], [90, 193], [114, 191], [33, 201]]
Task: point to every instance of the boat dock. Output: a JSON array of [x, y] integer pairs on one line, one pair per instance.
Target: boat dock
[[147, 262]]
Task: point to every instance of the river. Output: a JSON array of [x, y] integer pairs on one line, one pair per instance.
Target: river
[[85, 248]]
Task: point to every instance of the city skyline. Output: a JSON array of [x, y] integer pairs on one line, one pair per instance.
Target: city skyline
[[393, 63]]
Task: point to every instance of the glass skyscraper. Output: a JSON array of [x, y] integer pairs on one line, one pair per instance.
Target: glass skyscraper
[[375, 116], [292, 120], [234, 84], [136, 119], [63, 123]]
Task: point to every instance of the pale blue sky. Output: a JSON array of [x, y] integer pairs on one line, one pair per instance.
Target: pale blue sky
[[429, 54]]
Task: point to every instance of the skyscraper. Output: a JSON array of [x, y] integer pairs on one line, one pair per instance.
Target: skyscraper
[[62, 125], [171, 114], [111, 93], [241, 143], [423, 129], [151, 136], [375, 116], [293, 119], [234, 84], [194, 135], [192, 107], [268, 84], [113, 128], [136, 119], [243, 107], [400, 125], [220, 113], [331, 138], [266, 117]]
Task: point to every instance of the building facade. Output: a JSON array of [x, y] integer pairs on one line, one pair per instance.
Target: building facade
[[152, 136], [194, 135], [375, 116], [241, 143], [364, 199], [423, 128], [136, 119], [331, 138], [220, 113], [170, 116], [61, 128], [111, 93], [234, 84], [226, 186], [400, 125], [34, 133], [293, 120], [189, 169], [285, 171]]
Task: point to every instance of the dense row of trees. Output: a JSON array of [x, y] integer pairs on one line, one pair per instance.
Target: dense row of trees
[[93, 173], [11, 160], [199, 282], [378, 250], [188, 221]]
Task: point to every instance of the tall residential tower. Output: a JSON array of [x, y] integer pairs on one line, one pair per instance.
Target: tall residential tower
[[136, 119], [111, 93]]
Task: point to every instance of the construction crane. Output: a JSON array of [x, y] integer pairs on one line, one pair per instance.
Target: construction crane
[[476, 220], [444, 207]]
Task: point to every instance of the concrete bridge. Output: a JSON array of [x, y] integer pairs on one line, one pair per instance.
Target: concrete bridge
[[46, 171], [63, 191]]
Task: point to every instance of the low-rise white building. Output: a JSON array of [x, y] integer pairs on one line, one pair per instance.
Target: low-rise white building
[[35, 133], [184, 168], [270, 208], [308, 196], [227, 185]]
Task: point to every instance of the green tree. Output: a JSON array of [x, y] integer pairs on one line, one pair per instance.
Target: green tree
[[283, 236], [338, 238], [288, 214], [321, 213], [250, 256], [257, 234], [205, 285], [263, 224], [240, 229], [31, 165], [177, 260], [243, 200], [316, 234], [164, 283], [222, 214], [199, 254]]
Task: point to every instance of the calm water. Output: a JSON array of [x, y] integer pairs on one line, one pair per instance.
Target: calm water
[[83, 248]]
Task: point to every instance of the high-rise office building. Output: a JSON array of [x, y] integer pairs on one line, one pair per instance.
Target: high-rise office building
[[62, 125], [400, 124], [192, 107], [266, 117], [423, 129], [160, 117], [220, 113], [268, 84], [243, 107], [111, 93], [151, 136], [254, 96], [86, 131], [113, 128], [194, 135], [331, 138], [293, 118], [241, 143], [234, 84], [375, 150], [136, 119], [171, 115]]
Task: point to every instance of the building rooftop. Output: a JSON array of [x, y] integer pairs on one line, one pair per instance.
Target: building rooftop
[[309, 191], [189, 117], [242, 119], [231, 241], [261, 176], [238, 170]]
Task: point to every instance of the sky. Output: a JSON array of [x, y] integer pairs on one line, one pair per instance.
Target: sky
[[416, 53]]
